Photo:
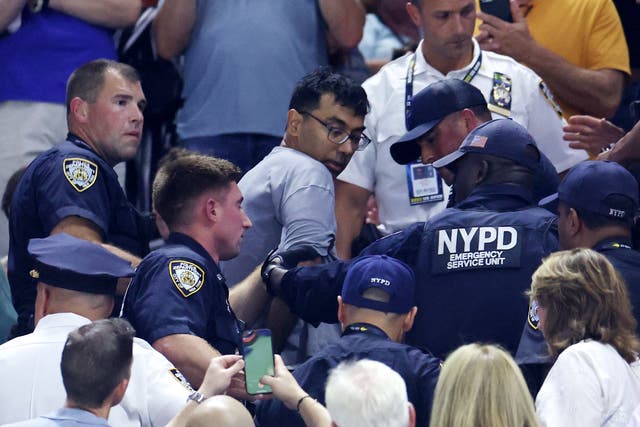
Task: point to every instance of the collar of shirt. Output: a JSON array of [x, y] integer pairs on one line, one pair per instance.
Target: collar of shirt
[[498, 197], [364, 328], [78, 415], [176, 238], [60, 320], [613, 242], [423, 66], [75, 139]]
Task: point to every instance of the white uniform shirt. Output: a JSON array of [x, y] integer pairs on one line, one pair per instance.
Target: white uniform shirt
[[375, 170], [32, 382], [589, 385]]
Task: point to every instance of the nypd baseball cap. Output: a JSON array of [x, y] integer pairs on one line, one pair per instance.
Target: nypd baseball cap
[[388, 274], [589, 185], [67, 262], [502, 138], [428, 108]]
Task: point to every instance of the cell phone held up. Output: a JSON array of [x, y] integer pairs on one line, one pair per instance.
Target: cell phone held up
[[498, 8], [257, 352]]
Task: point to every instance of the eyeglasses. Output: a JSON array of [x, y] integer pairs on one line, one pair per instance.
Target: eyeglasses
[[340, 136]]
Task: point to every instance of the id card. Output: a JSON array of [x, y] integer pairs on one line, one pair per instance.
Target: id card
[[424, 184]]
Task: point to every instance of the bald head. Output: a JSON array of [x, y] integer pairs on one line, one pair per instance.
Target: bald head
[[220, 411]]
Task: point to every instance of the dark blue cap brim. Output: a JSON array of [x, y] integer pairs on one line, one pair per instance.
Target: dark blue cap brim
[[448, 159], [406, 149], [550, 203]]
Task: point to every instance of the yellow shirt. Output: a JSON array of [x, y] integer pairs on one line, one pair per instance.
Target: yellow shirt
[[587, 33]]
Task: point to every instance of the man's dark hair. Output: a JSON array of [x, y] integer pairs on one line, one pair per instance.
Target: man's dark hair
[[307, 93], [180, 181], [594, 221], [87, 80], [95, 358], [12, 184], [482, 112]]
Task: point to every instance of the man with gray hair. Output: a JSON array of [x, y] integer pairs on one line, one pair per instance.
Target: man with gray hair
[[367, 393]]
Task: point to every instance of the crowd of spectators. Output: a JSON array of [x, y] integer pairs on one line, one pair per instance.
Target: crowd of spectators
[[434, 210]]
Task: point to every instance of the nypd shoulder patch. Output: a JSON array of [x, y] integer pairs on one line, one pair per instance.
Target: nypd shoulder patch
[[186, 276], [81, 173], [181, 379], [532, 318]]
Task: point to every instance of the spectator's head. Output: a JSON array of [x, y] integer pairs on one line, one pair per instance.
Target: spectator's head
[[596, 200], [481, 386], [367, 393], [579, 295], [441, 116], [198, 195], [326, 118], [96, 363], [225, 410], [379, 290], [10, 188], [447, 27], [75, 276], [496, 152], [104, 108]]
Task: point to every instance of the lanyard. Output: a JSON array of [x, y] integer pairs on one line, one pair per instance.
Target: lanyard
[[408, 93]]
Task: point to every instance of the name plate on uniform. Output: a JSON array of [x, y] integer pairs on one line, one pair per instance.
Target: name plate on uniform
[[424, 184], [471, 248]]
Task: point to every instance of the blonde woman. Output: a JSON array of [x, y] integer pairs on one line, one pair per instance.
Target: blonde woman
[[585, 316], [481, 386]]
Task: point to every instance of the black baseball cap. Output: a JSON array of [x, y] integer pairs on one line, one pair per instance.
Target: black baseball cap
[[428, 108]]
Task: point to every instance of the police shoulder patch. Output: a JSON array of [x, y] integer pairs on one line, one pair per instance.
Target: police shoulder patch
[[181, 379], [81, 173], [186, 276], [532, 318]]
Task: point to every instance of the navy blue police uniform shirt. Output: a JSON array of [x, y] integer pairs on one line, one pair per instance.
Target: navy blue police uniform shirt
[[626, 261], [419, 370], [179, 289], [473, 264], [67, 180]]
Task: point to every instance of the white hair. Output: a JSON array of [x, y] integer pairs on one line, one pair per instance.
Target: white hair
[[367, 394]]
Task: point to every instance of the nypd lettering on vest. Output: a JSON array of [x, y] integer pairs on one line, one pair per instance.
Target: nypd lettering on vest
[[81, 173], [186, 276], [475, 248]]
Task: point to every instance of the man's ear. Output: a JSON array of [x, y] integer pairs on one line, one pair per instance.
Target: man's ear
[[414, 14], [79, 109], [483, 172], [574, 222], [294, 120], [407, 322], [340, 310], [212, 209], [470, 119]]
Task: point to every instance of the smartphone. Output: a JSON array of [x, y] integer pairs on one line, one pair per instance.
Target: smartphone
[[499, 8], [257, 352]]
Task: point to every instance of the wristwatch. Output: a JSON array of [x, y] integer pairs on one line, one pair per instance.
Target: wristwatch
[[196, 397]]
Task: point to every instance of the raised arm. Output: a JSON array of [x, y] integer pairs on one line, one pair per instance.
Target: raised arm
[[172, 27], [107, 13], [345, 19], [596, 92]]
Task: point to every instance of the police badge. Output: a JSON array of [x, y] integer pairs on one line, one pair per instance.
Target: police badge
[[500, 100], [187, 276], [533, 318], [81, 173]]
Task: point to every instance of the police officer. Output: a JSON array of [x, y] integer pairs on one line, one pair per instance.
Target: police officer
[[473, 262], [73, 188], [442, 115], [76, 281], [178, 299], [596, 205], [376, 308]]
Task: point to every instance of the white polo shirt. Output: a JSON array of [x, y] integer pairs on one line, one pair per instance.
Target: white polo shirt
[[32, 382], [375, 170]]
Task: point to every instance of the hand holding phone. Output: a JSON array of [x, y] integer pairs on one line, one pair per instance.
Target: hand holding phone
[[257, 352], [498, 8]]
